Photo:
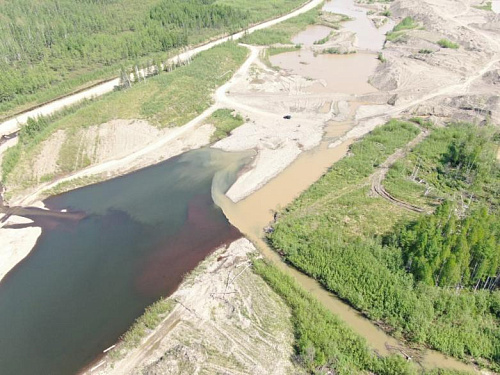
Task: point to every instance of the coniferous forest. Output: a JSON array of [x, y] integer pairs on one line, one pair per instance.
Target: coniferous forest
[[49, 47]]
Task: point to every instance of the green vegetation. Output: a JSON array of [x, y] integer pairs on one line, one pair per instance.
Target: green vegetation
[[224, 121], [147, 322], [387, 13], [283, 32], [445, 43], [50, 48], [322, 341], [358, 245], [425, 51], [487, 6], [455, 163], [164, 100], [324, 40], [381, 57], [271, 51], [336, 51], [445, 250], [406, 24], [398, 33]]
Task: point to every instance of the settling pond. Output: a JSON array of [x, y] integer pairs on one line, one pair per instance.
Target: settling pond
[[86, 281]]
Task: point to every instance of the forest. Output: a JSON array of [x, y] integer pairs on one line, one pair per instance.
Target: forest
[[429, 278], [49, 47]]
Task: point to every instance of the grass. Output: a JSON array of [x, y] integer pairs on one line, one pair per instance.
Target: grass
[[445, 43], [323, 343], [225, 121], [398, 33], [143, 325], [407, 23], [487, 6], [167, 100], [324, 40], [336, 51], [418, 178], [272, 51], [283, 32], [425, 51]]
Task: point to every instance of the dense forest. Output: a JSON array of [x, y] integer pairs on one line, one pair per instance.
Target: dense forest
[[430, 278], [46, 42], [444, 250]]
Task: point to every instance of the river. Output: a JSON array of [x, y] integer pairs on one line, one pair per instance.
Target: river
[[142, 232], [87, 280], [339, 74]]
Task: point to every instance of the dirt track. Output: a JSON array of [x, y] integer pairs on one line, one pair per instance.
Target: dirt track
[[378, 177], [12, 125]]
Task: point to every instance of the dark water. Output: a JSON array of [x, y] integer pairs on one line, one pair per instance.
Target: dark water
[[87, 280]]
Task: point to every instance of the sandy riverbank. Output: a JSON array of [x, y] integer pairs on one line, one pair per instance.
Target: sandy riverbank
[[15, 244], [225, 320]]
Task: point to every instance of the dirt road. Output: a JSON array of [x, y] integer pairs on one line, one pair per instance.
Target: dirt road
[[13, 124]]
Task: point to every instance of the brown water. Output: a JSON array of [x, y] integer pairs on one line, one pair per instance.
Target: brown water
[[346, 74], [311, 34], [368, 37], [255, 212]]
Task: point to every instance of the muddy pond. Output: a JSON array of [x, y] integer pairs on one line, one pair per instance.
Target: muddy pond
[[87, 280]]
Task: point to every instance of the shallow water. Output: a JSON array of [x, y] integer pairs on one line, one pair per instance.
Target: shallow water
[[87, 280], [347, 74], [368, 37], [311, 34]]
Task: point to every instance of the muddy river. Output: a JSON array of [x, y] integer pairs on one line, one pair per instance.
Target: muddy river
[[347, 74], [252, 214], [142, 232]]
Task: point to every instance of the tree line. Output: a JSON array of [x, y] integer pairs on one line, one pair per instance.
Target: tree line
[[445, 250], [45, 42], [432, 279]]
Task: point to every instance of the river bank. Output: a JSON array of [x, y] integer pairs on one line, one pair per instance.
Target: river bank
[[225, 319]]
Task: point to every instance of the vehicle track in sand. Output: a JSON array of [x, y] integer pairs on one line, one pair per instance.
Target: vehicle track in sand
[[377, 178]]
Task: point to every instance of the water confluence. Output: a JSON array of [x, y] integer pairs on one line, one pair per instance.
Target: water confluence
[[88, 279], [341, 74]]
